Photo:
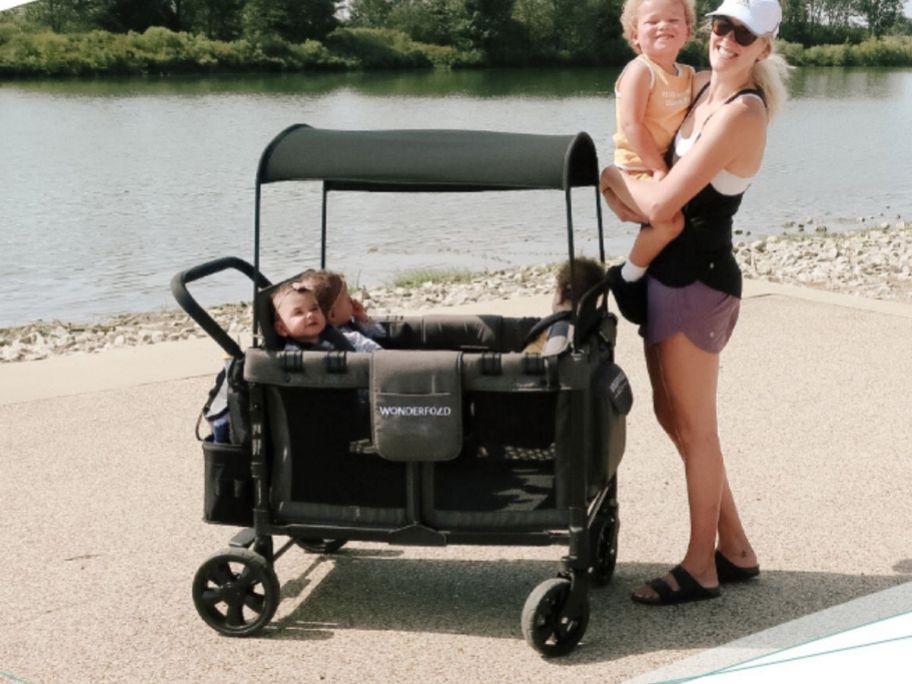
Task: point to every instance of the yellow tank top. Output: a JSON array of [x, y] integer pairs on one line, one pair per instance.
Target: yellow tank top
[[669, 97]]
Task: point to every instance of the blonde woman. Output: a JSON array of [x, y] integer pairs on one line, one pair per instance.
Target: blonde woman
[[693, 283]]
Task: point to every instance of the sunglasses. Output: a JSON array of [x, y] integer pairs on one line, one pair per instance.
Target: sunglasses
[[743, 35]]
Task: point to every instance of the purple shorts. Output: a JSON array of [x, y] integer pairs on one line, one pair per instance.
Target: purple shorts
[[705, 315]]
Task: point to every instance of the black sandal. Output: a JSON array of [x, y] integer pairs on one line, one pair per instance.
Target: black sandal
[[729, 572], [688, 590]]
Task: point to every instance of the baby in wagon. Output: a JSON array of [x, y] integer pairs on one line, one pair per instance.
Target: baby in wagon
[[299, 319], [342, 311], [586, 274]]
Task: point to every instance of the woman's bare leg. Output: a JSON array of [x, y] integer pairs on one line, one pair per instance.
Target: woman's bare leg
[[661, 405], [732, 539], [685, 380]]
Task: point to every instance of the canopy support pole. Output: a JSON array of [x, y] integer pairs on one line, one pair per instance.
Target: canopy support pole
[[323, 229], [573, 293], [256, 259], [598, 214]]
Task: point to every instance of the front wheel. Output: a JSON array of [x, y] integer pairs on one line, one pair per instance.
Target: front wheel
[[236, 592], [543, 626]]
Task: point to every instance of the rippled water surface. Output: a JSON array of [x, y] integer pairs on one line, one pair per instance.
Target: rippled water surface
[[107, 188]]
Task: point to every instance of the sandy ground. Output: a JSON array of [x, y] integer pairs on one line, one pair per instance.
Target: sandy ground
[[102, 498]]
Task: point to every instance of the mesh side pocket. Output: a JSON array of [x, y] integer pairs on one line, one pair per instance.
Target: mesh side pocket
[[228, 484]]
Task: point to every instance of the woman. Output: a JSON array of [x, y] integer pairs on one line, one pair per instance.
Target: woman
[[693, 283]]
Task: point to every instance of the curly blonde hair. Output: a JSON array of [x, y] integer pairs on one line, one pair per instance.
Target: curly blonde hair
[[629, 19]]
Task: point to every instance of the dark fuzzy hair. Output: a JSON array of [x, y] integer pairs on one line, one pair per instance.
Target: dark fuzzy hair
[[587, 273]]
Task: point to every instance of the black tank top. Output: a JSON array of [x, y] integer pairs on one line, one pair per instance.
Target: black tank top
[[703, 250]]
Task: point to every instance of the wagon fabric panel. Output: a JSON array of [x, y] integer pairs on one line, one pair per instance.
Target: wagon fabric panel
[[531, 429]]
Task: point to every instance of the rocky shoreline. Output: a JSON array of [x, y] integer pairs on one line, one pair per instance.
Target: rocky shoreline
[[875, 263]]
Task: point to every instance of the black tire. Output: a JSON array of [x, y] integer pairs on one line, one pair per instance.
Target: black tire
[[604, 546], [320, 545], [542, 625], [236, 592]]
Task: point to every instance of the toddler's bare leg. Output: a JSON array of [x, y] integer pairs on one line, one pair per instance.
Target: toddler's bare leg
[[613, 186]]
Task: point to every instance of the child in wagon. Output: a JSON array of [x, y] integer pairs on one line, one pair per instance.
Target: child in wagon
[[299, 319], [301, 323], [343, 312], [587, 273]]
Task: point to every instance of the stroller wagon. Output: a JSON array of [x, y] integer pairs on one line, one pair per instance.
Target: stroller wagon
[[449, 435]]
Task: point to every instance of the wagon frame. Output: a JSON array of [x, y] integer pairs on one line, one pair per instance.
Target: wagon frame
[[236, 591]]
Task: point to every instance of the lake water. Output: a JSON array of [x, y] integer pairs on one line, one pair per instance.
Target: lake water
[[107, 188]]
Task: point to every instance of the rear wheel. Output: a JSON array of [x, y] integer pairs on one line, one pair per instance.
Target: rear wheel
[[236, 592], [543, 626]]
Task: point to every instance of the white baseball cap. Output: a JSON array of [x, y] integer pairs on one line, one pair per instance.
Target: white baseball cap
[[761, 17]]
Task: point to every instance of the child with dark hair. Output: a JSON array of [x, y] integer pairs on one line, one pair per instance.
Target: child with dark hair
[[587, 273]]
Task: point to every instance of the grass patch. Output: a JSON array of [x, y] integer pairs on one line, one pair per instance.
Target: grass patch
[[418, 277]]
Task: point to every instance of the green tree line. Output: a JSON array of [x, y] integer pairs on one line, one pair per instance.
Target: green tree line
[[57, 37]]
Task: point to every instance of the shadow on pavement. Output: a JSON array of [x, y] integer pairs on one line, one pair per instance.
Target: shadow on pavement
[[485, 598]]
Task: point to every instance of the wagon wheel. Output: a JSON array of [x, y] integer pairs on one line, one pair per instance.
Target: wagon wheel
[[604, 546], [542, 625], [236, 592], [320, 545]]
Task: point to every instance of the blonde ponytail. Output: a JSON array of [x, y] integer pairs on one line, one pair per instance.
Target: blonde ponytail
[[770, 75]]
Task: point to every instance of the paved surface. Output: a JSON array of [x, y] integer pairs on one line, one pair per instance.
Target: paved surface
[[101, 490], [828, 648]]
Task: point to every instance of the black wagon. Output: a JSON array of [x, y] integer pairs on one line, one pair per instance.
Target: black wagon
[[452, 434]]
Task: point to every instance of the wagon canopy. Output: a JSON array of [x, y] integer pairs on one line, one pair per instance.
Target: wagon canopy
[[429, 160]]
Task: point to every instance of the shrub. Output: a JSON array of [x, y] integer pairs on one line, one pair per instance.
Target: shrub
[[314, 53], [28, 52], [888, 51], [8, 31], [448, 57], [793, 52], [377, 48], [828, 55]]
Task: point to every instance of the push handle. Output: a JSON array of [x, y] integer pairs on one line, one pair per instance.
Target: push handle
[[197, 312], [593, 307]]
